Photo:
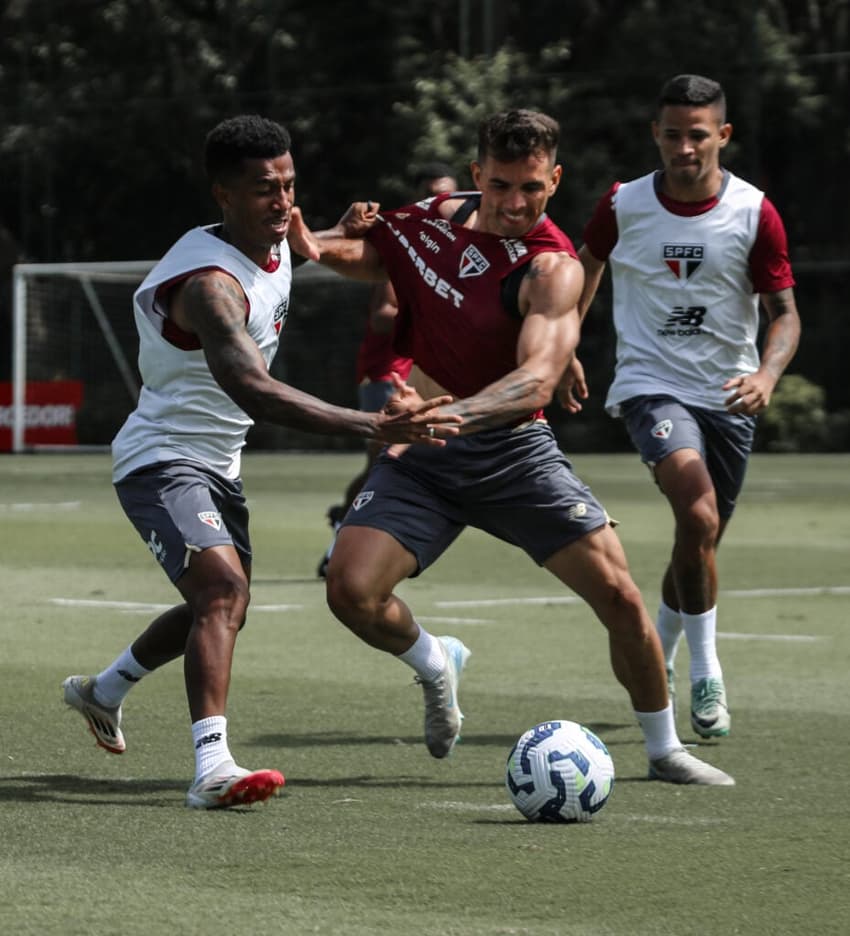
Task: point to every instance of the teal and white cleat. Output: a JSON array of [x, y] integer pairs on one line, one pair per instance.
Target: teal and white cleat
[[104, 723], [443, 717], [709, 711]]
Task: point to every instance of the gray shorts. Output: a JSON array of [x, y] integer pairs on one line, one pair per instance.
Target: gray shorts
[[179, 508], [661, 425], [514, 484]]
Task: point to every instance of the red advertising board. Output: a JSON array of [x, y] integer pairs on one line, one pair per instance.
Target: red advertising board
[[50, 413]]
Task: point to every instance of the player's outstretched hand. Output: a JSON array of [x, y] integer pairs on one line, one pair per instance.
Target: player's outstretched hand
[[358, 218], [408, 418], [301, 239], [572, 387]]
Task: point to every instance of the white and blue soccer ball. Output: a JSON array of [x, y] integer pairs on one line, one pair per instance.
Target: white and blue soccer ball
[[559, 771]]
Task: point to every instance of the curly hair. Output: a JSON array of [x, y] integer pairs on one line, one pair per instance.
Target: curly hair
[[247, 136]]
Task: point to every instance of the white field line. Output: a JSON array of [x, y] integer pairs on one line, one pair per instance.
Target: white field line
[[24, 507], [498, 602], [610, 816], [793, 638], [572, 599], [132, 606], [452, 620], [787, 592]]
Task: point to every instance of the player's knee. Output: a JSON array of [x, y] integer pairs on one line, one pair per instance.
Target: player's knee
[[700, 526], [624, 612], [225, 601], [349, 598]]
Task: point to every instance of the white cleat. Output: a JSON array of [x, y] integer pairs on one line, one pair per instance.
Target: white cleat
[[104, 723], [681, 767], [229, 785], [443, 717]]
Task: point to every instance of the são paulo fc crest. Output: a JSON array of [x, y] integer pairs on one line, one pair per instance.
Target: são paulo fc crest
[[362, 499], [211, 517], [473, 262], [662, 430], [683, 260], [280, 314]]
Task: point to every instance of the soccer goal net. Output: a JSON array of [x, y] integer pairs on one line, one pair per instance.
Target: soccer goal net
[[74, 353]]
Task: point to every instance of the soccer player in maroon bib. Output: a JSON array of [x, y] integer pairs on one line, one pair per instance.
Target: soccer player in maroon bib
[[488, 290]]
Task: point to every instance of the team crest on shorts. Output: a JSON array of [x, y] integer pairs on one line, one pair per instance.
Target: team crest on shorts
[[662, 430], [362, 499], [211, 517]]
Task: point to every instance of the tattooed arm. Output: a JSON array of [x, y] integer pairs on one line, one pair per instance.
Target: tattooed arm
[[548, 301], [752, 392], [212, 305]]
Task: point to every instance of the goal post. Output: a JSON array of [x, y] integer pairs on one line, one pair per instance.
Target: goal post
[[73, 352], [75, 347]]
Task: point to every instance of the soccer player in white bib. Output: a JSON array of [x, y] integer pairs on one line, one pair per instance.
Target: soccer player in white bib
[[692, 249], [209, 317]]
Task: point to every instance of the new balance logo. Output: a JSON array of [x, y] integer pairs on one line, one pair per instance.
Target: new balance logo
[[577, 511], [210, 738], [515, 249], [684, 321], [157, 548]]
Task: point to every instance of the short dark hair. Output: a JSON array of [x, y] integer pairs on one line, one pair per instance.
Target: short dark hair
[[247, 136], [693, 91], [428, 172], [516, 134]]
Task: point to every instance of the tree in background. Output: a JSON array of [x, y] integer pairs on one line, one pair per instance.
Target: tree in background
[[104, 105]]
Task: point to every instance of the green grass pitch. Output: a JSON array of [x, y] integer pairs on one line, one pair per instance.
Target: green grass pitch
[[372, 836]]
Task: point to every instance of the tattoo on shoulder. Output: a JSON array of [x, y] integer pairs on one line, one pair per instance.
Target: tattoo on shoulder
[[215, 299]]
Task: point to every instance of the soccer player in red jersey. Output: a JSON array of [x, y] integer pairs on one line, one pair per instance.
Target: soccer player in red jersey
[[488, 310]]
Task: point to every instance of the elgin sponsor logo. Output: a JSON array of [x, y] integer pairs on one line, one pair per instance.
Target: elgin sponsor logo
[[50, 412], [432, 279]]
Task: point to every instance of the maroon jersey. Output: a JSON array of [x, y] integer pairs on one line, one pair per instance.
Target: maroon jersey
[[448, 280]]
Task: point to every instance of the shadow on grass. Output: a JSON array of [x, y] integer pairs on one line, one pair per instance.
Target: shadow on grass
[[352, 739], [94, 791]]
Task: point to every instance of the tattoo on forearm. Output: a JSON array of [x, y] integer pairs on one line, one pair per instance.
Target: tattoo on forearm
[[515, 395]]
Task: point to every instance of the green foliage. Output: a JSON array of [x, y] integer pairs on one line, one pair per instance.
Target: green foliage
[[797, 420], [100, 145]]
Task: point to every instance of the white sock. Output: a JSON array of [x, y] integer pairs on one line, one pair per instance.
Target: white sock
[[210, 738], [701, 631], [668, 623], [425, 656], [659, 732], [113, 684]]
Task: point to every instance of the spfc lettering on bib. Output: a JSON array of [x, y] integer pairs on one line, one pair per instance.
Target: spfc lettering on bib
[[683, 260]]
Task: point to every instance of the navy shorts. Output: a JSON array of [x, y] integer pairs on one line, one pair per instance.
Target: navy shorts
[[514, 484], [179, 508], [661, 425]]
